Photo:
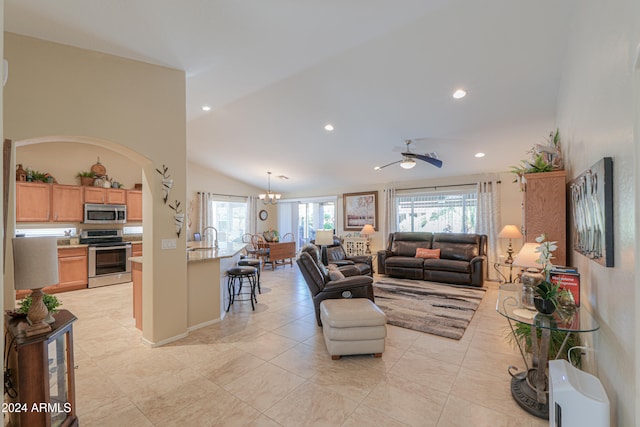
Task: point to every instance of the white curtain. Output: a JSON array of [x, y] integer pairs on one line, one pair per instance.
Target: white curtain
[[288, 220], [488, 221], [205, 217], [389, 218], [252, 215]]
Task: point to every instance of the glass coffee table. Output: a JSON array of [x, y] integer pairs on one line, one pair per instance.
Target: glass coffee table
[[529, 388]]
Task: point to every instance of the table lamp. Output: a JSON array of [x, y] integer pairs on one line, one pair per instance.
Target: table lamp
[[367, 231], [35, 265], [510, 232]]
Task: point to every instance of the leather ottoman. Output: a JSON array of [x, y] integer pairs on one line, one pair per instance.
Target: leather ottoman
[[353, 326]]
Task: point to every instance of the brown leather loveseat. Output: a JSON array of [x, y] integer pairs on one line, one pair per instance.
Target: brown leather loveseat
[[454, 258]]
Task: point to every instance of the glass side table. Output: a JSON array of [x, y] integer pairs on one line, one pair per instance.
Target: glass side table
[[503, 279], [529, 388]]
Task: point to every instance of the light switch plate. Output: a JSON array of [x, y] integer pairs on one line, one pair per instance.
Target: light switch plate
[[169, 243]]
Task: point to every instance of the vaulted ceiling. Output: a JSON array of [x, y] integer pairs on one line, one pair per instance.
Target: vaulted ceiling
[[275, 72]]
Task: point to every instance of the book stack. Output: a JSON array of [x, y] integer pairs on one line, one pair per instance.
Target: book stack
[[568, 278]]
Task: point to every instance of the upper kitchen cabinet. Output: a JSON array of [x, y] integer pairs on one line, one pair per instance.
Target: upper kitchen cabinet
[[134, 205], [33, 202], [114, 196], [66, 203]]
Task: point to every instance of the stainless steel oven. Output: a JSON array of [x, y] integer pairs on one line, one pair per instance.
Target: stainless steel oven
[[109, 262]]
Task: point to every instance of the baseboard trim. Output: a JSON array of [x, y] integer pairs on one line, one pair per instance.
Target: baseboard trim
[[203, 325], [165, 341]]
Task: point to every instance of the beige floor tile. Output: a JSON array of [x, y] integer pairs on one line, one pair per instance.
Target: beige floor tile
[[183, 383], [407, 402], [263, 386], [462, 413], [312, 405], [426, 371]]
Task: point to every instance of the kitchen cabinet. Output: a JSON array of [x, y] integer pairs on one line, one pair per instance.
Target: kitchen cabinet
[[136, 249], [73, 271], [67, 203], [134, 205], [544, 210], [114, 196], [42, 372], [33, 202]]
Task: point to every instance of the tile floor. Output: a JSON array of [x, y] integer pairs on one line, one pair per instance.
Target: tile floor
[[270, 368]]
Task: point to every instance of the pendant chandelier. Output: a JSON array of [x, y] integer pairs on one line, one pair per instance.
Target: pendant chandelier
[[269, 198]]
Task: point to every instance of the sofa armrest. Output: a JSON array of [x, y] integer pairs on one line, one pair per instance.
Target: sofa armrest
[[365, 259], [383, 255], [347, 283], [477, 260], [341, 262], [478, 265]]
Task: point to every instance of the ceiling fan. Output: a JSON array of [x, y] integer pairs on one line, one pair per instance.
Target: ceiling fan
[[408, 158]]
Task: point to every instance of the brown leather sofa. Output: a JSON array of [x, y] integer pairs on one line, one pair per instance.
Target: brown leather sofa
[[325, 284], [462, 259], [335, 254]]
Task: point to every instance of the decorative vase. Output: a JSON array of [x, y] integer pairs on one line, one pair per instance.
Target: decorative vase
[[530, 279], [544, 306]]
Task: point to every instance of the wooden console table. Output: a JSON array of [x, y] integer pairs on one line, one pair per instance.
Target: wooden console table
[[280, 253]]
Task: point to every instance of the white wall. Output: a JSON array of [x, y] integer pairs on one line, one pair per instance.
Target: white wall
[[598, 118]]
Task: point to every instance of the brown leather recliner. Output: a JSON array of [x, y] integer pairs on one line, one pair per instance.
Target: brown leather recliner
[[324, 284], [335, 254]]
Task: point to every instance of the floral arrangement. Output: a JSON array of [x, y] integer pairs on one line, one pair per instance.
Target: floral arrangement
[[544, 157], [546, 289]]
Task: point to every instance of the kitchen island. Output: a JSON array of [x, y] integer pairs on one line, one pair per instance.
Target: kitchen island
[[206, 281]]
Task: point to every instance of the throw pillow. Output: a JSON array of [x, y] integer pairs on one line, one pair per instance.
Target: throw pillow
[[427, 253]]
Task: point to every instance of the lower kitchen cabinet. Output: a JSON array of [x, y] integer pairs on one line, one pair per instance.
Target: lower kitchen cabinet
[[73, 271]]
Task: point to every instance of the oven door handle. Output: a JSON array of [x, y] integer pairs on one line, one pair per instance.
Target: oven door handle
[[105, 248]]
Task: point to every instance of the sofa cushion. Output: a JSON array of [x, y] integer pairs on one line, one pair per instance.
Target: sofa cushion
[[403, 248], [447, 265], [334, 273], [404, 261], [427, 253], [462, 247]]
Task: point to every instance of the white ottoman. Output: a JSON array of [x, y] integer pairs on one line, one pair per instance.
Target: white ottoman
[[353, 326]]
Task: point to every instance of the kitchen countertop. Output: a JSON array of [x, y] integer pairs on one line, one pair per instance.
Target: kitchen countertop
[[196, 252], [137, 259]]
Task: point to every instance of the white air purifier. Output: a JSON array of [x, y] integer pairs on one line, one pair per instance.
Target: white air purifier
[[576, 398]]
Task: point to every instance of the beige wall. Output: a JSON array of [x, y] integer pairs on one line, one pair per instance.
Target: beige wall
[[64, 160], [61, 93], [598, 116]]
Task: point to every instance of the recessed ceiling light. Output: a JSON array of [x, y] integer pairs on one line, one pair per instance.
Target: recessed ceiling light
[[479, 155], [460, 93], [328, 127], [206, 108]]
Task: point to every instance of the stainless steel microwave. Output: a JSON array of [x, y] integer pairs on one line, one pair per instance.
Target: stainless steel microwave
[[104, 214]]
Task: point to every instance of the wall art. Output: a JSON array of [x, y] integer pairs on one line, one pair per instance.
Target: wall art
[[360, 209], [592, 212]]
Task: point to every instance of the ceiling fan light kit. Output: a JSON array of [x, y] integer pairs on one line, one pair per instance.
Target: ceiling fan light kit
[[408, 157]]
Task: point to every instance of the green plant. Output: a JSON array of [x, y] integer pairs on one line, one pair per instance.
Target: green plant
[[37, 175], [522, 333], [549, 291], [86, 175], [50, 301]]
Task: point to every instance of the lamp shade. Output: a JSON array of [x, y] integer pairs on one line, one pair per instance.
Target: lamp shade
[[510, 232], [35, 262], [528, 257], [367, 230], [324, 237]]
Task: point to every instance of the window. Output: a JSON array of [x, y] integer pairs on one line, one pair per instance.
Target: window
[[229, 218], [303, 217], [451, 211]]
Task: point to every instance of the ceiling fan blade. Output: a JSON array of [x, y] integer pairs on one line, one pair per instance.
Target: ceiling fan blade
[[435, 162], [388, 164]]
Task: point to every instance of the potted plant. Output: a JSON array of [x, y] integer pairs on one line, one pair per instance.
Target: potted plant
[[86, 178], [50, 301], [546, 299]]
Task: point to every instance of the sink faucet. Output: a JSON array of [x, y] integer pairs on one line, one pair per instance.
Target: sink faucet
[[215, 242]]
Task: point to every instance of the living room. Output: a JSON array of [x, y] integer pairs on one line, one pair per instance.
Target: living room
[[597, 115]]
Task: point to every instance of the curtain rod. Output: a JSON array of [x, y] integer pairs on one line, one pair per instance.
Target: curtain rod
[[435, 187], [219, 194]]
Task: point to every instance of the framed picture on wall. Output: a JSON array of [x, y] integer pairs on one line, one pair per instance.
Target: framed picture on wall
[[360, 209]]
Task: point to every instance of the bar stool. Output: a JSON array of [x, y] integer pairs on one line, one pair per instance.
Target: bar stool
[[252, 262], [239, 274]]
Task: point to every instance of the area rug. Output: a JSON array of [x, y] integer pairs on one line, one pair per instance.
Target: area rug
[[434, 308]]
